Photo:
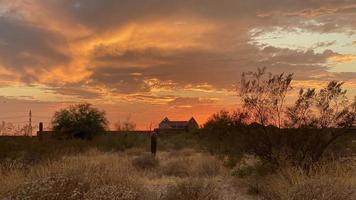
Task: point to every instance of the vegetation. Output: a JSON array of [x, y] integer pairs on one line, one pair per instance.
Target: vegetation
[[79, 121], [98, 175], [266, 150], [25, 152], [312, 128]]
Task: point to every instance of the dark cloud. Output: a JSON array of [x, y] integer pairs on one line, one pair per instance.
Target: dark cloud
[[197, 66], [78, 92], [26, 46], [105, 14], [119, 80], [222, 54]]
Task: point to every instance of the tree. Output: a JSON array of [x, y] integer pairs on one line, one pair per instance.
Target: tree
[[265, 97], [328, 108], [79, 121], [332, 105], [301, 113], [327, 111]]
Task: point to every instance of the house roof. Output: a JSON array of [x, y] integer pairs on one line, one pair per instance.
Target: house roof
[[176, 124]]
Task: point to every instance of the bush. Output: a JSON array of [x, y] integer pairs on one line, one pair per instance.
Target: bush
[[207, 166], [300, 147], [192, 189], [146, 162], [222, 134], [329, 189], [326, 182], [79, 121]]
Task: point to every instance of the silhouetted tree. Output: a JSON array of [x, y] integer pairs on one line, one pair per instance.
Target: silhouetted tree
[[328, 108], [265, 96], [332, 105], [79, 121], [301, 113]]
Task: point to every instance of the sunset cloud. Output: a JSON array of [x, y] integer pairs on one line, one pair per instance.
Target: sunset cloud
[[170, 54]]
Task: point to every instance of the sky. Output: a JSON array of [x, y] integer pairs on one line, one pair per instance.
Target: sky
[[145, 60]]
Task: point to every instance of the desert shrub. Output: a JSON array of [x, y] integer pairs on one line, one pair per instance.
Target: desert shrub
[[312, 125], [177, 168], [51, 188], [222, 134], [330, 189], [322, 183], [311, 189], [113, 192], [207, 166], [145, 161], [300, 147], [196, 189]]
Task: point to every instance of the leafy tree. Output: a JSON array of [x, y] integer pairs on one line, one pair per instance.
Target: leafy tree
[[79, 121]]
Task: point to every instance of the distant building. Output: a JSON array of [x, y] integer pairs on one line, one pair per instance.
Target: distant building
[[168, 125]]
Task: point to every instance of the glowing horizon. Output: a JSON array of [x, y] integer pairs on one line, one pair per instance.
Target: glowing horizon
[[148, 60]]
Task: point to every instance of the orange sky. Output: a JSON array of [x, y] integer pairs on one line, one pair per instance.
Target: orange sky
[[146, 60]]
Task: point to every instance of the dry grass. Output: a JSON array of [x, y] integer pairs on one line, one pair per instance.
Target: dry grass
[[177, 168], [136, 175], [145, 161], [197, 189], [98, 175], [332, 181], [56, 187], [189, 164], [73, 176]]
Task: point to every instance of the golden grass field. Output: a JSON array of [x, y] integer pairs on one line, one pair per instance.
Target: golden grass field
[[172, 175]]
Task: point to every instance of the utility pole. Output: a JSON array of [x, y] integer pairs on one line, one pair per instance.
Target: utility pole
[[30, 124]]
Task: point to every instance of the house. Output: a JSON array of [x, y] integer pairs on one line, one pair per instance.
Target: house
[[168, 125]]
